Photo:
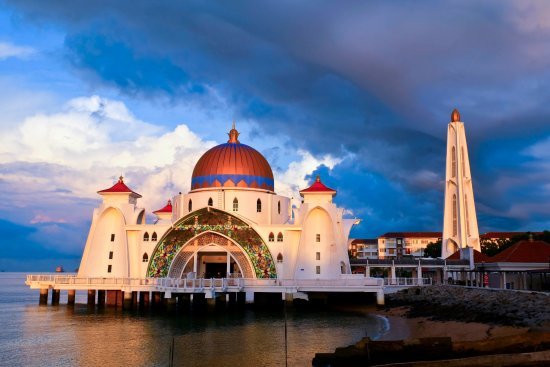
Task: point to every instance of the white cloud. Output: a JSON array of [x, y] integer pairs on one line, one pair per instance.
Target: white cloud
[[8, 50], [291, 181], [85, 147]]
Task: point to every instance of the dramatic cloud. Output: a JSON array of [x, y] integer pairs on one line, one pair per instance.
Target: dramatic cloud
[[363, 91]]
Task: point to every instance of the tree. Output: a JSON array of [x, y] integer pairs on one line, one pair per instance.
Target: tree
[[433, 249]]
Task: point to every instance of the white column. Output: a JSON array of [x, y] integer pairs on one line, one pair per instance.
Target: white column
[[419, 273], [504, 279], [195, 265], [228, 263], [393, 280]]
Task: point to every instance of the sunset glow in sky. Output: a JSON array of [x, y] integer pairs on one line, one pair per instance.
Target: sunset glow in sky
[[358, 92]]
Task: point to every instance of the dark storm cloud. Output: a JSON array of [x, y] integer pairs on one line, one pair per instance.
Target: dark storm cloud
[[377, 79]]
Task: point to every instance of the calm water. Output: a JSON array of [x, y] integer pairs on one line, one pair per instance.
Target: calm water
[[61, 336]]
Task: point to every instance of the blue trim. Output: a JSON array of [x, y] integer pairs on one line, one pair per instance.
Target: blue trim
[[209, 180]]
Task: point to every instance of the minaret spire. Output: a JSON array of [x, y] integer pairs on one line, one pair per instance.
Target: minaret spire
[[459, 219]]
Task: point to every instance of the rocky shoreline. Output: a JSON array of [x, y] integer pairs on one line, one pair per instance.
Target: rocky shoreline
[[458, 326], [484, 305]]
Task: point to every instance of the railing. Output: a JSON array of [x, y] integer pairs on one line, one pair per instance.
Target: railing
[[201, 283], [407, 282]]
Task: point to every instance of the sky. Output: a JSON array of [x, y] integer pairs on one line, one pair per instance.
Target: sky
[[358, 92]]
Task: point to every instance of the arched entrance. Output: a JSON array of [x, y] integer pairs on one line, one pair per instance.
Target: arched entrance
[[211, 255], [216, 222]]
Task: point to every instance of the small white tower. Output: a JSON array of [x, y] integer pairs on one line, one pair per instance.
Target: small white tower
[[459, 218]]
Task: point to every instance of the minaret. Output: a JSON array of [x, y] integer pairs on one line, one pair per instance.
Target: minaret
[[459, 218]]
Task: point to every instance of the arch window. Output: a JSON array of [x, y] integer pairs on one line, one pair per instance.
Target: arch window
[[271, 237], [258, 206], [280, 237], [280, 258], [462, 162], [466, 212], [210, 202], [190, 205], [154, 236], [235, 205], [453, 162], [146, 237], [279, 207], [145, 257], [455, 217]]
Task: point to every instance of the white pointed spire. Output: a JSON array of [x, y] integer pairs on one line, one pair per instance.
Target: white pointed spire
[[459, 218]]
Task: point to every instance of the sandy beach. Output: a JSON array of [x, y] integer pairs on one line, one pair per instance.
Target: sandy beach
[[402, 327]]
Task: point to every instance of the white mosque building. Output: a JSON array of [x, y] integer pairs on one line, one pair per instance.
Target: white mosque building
[[231, 223]]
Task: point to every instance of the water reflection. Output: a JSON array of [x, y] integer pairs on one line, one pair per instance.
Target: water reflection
[[64, 336]]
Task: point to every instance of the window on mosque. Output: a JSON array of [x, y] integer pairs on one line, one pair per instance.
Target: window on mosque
[[391, 251], [453, 162], [110, 255], [112, 237], [271, 237], [462, 161], [190, 206], [154, 236], [259, 206], [279, 207], [280, 237], [455, 217], [109, 268], [145, 257], [317, 269], [235, 205], [317, 256], [210, 202], [317, 237], [146, 237]]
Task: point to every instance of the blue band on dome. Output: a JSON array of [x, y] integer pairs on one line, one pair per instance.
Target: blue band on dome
[[198, 182]]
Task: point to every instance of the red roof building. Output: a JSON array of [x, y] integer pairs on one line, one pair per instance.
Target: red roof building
[[318, 188], [166, 209], [119, 188], [525, 251], [479, 257]]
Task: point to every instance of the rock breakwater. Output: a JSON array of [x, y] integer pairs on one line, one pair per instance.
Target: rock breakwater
[[484, 305]]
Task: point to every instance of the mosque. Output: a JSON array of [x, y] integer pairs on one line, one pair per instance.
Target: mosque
[[231, 224]]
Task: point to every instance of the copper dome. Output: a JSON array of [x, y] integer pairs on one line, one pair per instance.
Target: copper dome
[[232, 165]]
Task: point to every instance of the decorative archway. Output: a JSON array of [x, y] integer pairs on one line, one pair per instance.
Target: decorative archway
[[186, 253], [217, 222]]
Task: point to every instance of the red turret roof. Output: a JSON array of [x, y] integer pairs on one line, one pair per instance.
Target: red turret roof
[[167, 208], [120, 188], [317, 187], [525, 251]]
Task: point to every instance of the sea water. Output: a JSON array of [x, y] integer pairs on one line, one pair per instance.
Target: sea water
[[33, 335]]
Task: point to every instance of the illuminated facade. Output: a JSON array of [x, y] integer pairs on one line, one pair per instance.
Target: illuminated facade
[[230, 224]]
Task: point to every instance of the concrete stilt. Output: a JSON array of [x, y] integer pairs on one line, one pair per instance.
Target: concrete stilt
[[380, 297], [157, 299], [289, 299], [101, 298], [43, 296], [220, 301], [241, 298], [71, 297], [55, 296], [143, 299], [249, 297], [91, 297], [170, 304], [232, 298], [119, 299], [184, 301], [127, 302], [134, 299], [111, 298]]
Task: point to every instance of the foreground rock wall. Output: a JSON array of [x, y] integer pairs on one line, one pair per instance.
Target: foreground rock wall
[[502, 307]]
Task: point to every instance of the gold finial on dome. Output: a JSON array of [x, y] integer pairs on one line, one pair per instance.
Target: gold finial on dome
[[233, 135], [121, 179], [318, 178], [455, 116]]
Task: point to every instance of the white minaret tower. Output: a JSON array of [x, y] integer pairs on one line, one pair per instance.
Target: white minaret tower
[[459, 218]]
